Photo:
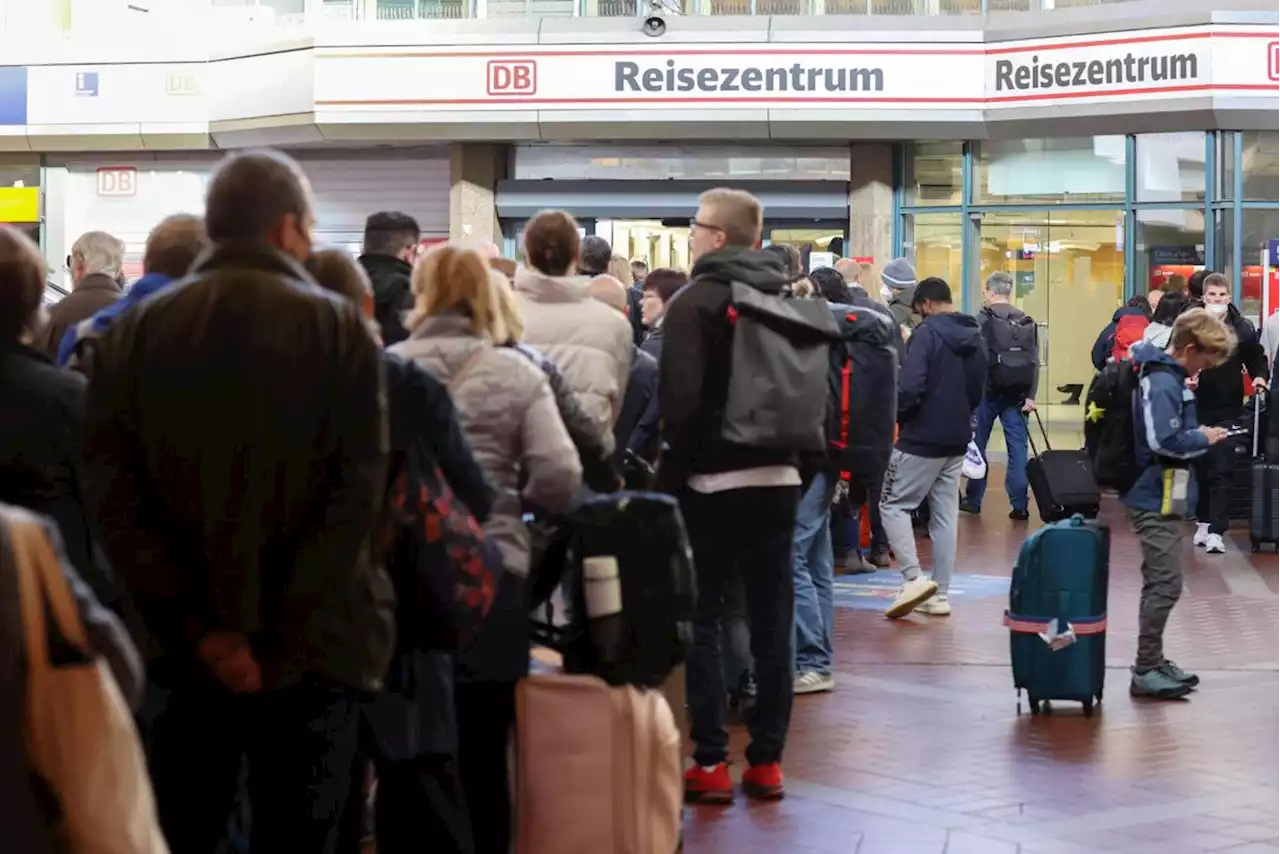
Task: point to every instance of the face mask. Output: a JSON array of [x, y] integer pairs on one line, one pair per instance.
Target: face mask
[[1217, 309], [886, 292]]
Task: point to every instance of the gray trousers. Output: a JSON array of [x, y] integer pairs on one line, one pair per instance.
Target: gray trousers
[[908, 481], [1161, 541]]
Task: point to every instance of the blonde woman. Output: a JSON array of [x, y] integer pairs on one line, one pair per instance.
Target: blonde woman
[[457, 333]]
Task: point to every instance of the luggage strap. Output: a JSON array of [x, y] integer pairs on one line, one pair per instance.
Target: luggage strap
[[1024, 625]]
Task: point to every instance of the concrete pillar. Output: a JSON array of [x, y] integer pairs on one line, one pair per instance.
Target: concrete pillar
[[871, 206], [475, 169]]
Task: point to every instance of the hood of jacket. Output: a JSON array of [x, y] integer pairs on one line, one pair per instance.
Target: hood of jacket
[[1125, 310], [146, 286], [387, 273], [761, 270], [1156, 334], [1147, 351], [958, 331], [540, 287]]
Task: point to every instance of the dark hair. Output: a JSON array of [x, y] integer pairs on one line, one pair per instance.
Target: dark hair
[[789, 255], [551, 243], [931, 289], [1177, 283], [595, 255], [1172, 304], [665, 281], [337, 272], [390, 233], [22, 273], [174, 245], [830, 285], [249, 194], [1195, 284]]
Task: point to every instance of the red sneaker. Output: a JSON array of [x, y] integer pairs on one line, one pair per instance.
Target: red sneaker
[[708, 785], [764, 782]]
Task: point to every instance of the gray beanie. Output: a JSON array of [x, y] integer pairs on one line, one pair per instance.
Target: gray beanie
[[899, 274]]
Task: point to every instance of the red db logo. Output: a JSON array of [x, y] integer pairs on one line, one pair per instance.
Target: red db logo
[[513, 77], [1273, 60]]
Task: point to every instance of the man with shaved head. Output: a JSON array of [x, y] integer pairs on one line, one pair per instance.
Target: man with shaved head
[[235, 457]]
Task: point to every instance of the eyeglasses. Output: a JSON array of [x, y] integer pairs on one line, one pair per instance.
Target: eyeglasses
[[694, 223]]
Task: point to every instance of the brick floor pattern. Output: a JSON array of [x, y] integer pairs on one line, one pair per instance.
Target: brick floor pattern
[[919, 750]]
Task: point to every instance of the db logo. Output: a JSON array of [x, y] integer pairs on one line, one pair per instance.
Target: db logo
[[513, 77], [1273, 61]]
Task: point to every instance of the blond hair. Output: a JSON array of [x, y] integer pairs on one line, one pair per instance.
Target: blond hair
[[451, 278], [620, 269], [802, 288], [735, 212], [1203, 332], [508, 324]]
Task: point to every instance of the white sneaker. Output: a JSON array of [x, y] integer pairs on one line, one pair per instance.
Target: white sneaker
[[912, 594], [813, 682], [938, 606], [1202, 534], [1214, 545]]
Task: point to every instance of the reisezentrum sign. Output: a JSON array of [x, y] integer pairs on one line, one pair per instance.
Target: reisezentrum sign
[[1143, 65]]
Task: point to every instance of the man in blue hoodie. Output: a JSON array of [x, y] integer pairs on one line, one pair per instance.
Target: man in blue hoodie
[[940, 385], [172, 247], [1166, 438]]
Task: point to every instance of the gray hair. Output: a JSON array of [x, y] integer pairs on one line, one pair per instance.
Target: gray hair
[[99, 252], [1000, 283]]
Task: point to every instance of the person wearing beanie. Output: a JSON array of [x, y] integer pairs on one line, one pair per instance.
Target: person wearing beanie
[[899, 289]]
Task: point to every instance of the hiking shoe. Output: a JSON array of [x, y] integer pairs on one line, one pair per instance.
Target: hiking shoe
[[1158, 685], [1019, 515], [880, 558], [813, 682], [764, 782], [967, 506], [1213, 545], [708, 785], [910, 597], [1177, 674], [1202, 534], [936, 606]]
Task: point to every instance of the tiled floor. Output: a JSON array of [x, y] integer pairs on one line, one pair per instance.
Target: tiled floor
[[920, 750]]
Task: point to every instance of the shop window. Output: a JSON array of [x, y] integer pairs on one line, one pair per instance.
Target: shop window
[[935, 245], [1260, 163], [1260, 226], [1052, 171], [1170, 167], [1168, 247], [933, 173]]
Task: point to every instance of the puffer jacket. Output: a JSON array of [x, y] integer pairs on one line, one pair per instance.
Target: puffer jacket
[[588, 341], [509, 416]]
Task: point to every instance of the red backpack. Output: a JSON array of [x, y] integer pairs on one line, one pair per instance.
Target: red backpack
[[1129, 331]]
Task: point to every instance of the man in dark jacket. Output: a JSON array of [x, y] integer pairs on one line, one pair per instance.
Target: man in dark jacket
[[1220, 403], [940, 385], [390, 248], [96, 260], [1138, 307], [237, 498], [739, 502]]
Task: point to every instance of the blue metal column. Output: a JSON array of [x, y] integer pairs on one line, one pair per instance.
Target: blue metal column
[[1210, 225], [898, 172], [1130, 217], [968, 257], [1237, 212]]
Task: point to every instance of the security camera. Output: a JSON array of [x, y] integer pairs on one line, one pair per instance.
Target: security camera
[[655, 19]]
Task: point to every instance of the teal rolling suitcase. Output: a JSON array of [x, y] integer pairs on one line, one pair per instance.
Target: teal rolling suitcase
[[1057, 617]]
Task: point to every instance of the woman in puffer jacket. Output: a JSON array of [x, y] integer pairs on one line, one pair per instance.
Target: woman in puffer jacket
[[509, 417]]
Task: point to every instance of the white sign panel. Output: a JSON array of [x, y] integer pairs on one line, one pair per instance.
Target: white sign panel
[[115, 94]]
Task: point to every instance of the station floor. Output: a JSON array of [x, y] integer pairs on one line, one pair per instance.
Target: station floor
[[920, 750]]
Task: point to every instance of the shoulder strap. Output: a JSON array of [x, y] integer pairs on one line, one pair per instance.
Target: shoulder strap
[[455, 382]]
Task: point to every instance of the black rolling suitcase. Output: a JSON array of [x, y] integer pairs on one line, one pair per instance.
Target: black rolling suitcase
[[1062, 481], [1264, 489]]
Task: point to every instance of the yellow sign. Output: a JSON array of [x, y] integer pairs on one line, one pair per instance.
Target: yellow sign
[[19, 204]]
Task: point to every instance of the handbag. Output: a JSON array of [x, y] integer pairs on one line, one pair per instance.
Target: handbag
[[974, 466], [80, 739]]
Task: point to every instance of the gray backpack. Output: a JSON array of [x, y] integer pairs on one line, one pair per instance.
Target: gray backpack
[[778, 380]]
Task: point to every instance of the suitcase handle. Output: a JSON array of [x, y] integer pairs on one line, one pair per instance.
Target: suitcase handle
[[1031, 440], [1257, 424]]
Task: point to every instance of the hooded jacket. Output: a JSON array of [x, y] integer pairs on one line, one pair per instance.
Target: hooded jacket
[[392, 294], [96, 325], [904, 316], [697, 355], [1220, 390], [940, 385], [1106, 338], [1165, 427]]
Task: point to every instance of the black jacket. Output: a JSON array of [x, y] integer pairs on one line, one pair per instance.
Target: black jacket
[[392, 294], [1220, 390], [697, 355], [236, 445], [642, 390], [635, 295], [940, 385]]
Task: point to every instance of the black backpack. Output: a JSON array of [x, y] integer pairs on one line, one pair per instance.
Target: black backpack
[[1108, 423], [1011, 348], [863, 390]]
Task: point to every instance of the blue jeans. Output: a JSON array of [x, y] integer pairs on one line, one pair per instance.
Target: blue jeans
[[1014, 424], [813, 568]]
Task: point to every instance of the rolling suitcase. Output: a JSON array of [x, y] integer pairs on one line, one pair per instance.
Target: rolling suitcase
[[1057, 617], [1264, 489], [1062, 481]]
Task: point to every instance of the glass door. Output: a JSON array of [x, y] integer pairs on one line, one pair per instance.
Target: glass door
[[1068, 273]]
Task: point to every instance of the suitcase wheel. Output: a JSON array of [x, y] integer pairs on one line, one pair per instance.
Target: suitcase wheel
[[1041, 707], [1088, 708]]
